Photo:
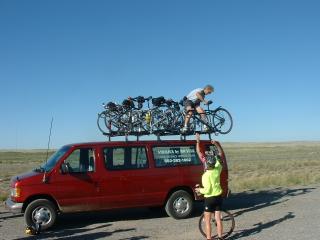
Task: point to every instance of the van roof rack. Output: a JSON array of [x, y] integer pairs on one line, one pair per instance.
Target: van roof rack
[[158, 135]]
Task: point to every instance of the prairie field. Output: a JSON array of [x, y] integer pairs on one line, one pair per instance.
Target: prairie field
[[251, 165], [268, 165]]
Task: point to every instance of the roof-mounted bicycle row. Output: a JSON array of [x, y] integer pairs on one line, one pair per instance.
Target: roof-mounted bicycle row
[[161, 117]]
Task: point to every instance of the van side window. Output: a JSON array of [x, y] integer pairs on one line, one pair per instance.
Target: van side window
[[81, 160], [121, 158], [170, 156]]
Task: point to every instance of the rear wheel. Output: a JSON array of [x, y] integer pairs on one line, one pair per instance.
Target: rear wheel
[[228, 225], [41, 211], [101, 123], [179, 205]]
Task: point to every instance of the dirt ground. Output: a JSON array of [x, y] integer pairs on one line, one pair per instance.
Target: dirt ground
[[282, 213]]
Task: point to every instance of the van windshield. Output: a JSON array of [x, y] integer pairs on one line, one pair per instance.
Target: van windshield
[[53, 159]]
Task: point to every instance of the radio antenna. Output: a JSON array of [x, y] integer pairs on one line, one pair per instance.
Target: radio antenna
[[49, 139], [44, 179]]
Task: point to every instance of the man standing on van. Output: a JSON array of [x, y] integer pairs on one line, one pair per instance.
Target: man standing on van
[[192, 102], [211, 189]]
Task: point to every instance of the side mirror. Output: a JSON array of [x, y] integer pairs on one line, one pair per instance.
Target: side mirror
[[64, 168]]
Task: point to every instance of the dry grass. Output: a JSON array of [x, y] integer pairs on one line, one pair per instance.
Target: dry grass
[[251, 165], [257, 166], [16, 162]]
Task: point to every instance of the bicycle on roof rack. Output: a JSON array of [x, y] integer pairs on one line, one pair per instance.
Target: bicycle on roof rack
[[124, 119], [214, 121], [164, 118]]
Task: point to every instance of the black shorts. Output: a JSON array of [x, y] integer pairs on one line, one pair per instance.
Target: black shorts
[[189, 103], [212, 204]]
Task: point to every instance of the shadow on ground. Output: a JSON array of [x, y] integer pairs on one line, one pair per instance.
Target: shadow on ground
[[78, 225], [258, 227], [241, 203], [77, 233]]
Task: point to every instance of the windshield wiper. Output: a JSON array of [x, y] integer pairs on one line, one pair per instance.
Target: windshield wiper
[[40, 169]]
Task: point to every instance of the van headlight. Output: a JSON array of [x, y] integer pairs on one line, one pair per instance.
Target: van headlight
[[15, 192]]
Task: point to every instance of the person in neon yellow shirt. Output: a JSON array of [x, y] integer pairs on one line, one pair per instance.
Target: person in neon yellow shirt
[[211, 189]]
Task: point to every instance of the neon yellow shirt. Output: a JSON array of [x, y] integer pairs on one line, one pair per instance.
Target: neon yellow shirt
[[211, 182]]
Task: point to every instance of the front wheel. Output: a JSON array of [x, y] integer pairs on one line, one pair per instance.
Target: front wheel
[[221, 121], [228, 225], [41, 211], [179, 205]]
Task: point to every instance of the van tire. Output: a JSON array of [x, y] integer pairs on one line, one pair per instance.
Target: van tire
[[179, 205], [43, 207]]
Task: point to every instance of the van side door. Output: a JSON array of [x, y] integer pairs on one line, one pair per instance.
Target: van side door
[[125, 182], [76, 186]]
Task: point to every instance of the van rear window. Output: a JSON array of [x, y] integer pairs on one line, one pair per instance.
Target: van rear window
[[170, 156]]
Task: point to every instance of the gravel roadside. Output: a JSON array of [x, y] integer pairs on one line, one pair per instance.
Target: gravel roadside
[[281, 213]]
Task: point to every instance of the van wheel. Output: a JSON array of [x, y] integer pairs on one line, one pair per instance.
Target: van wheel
[[179, 205], [42, 211]]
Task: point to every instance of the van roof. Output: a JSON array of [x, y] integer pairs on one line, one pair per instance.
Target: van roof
[[143, 142]]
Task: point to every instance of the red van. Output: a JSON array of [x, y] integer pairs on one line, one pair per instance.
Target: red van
[[109, 175]]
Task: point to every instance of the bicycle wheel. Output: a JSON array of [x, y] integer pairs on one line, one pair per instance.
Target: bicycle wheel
[[228, 225], [158, 119], [123, 123], [138, 125], [178, 122], [112, 122], [221, 120], [171, 121], [101, 123]]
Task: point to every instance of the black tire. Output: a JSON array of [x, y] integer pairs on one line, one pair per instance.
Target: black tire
[[221, 120], [112, 122], [228, 224], [179, 205], [45, 208], [101, 123]]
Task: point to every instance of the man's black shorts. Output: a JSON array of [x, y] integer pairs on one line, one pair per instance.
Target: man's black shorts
[[189, 103], [212, 204]]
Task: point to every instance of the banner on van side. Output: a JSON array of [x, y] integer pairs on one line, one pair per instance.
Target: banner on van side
[[174, 156]]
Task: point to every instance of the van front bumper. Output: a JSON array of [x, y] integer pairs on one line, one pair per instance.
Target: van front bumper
[[13, 206]]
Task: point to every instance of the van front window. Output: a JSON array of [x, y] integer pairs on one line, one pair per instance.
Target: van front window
[[54, 159]]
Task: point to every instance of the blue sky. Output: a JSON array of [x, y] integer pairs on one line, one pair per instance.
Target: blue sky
[[64, 58]]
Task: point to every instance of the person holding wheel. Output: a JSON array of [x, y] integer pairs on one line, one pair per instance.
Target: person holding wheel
[[211, 188]]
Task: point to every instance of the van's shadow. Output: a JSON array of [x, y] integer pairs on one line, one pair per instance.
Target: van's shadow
[[78, 233], [80, 225]]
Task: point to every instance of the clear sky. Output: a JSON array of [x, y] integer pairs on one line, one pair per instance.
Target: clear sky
[[65, 58]]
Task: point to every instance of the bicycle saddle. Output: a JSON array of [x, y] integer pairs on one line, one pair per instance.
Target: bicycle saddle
[[111, 106], [158, 101]]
